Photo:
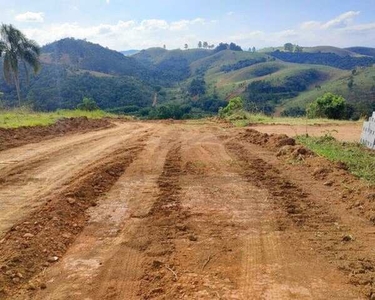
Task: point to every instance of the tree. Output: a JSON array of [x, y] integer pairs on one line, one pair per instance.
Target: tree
[[289, 47], [234, 47], [88, 104], [298, 49], [222, 47], [164, 46], [197, 87], [205, 45], [235, 104], [329, 106], [186, 46], [350, 82], [200, 44], [254, 49], [17, 49]]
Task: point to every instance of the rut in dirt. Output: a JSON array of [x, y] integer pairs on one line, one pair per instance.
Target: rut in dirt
[[165, 221], [317, 224], [43, 237]]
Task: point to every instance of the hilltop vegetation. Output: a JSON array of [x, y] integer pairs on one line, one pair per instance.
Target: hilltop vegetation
[[197, 82]]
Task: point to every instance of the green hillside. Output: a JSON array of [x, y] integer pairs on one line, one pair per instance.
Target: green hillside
[[329, 49], [84, 55], [361, 94], [73, 69], [363, 51], [196, 82]]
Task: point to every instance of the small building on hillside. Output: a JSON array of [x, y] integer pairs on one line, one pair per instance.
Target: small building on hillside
[[368, 132]]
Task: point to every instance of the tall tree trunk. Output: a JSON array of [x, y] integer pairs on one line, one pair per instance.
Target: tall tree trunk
[[17, 84], [155, 99]]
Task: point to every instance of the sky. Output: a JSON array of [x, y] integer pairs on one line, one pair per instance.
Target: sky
[[124, 25]]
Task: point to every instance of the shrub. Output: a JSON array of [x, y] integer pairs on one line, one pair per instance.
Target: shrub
[[329, 106], [88, 104], [234, 105]]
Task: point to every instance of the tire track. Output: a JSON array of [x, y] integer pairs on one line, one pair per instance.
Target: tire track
[[164, 221], [296, 210], [36, 177], [105, 260], [33, 245]]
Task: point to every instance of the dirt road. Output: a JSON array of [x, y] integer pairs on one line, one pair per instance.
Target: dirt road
[[177, 211]]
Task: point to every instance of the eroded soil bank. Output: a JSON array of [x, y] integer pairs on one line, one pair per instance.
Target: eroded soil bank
[[10, 138]]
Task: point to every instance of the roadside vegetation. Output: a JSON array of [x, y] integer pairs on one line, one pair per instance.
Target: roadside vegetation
[[326, 110], [24, 117], [359, 159]]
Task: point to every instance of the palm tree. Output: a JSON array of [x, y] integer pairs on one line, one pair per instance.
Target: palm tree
[[17, 49]]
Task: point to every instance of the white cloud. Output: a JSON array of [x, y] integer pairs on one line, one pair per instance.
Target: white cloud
[[124, 34], [310, 25], [29, 16], [230, 13], [340, 31], [342, 20], [107, 1]]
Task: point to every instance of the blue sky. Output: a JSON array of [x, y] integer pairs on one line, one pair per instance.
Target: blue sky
[[125, 25]]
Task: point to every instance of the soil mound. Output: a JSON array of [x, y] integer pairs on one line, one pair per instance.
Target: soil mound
[[15, 137]]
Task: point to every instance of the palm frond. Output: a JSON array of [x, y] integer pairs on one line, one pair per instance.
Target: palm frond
[[33, 46], [32, 59], [7, 68], [3, 48]]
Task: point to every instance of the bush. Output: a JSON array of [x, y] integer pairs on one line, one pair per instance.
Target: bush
[[88, 104], [234, 105], [329, 106]]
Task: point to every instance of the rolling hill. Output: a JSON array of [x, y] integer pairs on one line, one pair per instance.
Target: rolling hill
[[73, 69], [271, 81]]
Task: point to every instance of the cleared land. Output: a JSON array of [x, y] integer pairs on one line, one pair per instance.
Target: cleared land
[[175, 210], [343, 132]]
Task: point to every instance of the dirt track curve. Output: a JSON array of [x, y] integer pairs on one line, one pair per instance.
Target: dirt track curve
[[179, 211]]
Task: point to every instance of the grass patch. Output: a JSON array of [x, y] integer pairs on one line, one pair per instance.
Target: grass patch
[[24, 117], [359, 159]]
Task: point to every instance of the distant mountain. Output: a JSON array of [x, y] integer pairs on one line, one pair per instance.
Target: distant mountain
[[129, 52], [88, 56], [363, 50], [329, 49]]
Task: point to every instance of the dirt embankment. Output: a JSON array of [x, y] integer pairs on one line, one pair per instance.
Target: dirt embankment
[[10, 138]]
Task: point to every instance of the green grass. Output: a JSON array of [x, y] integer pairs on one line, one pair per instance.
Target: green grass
[[360, 160], [24, 117]]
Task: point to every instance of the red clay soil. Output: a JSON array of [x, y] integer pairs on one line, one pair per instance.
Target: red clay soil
[[15, 137], [180, 211], [39, 241], [351, 256]]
